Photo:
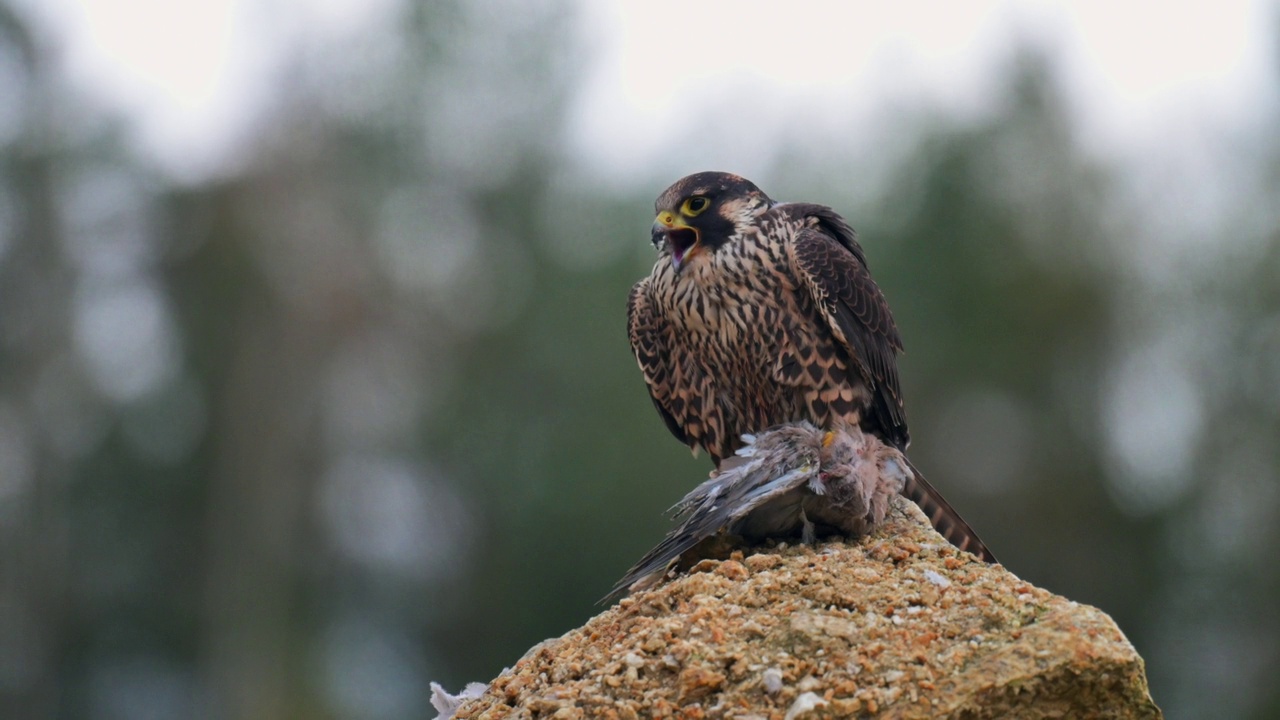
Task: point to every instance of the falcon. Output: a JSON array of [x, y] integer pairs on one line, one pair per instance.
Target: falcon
[[759, 313]]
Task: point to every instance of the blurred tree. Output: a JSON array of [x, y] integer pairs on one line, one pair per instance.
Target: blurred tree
[[367, 271], [86, 345], [1002, 235]]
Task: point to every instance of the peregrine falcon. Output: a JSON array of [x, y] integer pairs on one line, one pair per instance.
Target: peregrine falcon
[[759, 313]]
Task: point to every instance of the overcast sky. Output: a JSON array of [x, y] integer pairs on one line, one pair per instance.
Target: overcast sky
[[1142, 74]]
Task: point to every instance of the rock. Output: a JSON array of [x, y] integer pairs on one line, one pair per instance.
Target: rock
[[899, 625]]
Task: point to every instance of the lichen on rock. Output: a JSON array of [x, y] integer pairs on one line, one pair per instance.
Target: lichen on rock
[[898, 625]]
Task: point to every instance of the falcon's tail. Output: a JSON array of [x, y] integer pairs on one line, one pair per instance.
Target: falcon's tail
[[943, 517]]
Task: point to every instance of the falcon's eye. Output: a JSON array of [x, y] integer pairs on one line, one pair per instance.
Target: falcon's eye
[[695, 205]]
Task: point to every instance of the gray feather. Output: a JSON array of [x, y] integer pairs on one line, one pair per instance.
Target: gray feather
[[789, 480]]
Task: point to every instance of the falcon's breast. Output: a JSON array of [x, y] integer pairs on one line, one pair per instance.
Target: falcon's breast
[[745, 346]]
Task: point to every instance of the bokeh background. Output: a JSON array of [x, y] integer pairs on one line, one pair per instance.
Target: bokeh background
[[314, 379]]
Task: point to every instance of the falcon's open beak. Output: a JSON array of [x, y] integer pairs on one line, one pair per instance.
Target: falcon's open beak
[[680, 237]]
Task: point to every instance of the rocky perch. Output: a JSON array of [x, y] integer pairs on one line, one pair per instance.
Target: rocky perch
[[898, 625]]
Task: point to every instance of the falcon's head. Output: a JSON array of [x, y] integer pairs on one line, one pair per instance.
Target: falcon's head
[[700, 213]]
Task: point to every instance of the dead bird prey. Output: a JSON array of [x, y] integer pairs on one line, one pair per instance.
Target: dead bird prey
[[790, 480]]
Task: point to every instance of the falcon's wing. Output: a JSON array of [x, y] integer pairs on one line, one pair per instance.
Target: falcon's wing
[[830, 266], [650, 343], [829, 262]]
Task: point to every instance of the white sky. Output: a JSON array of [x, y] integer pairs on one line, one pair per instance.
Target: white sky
[[192, 73]]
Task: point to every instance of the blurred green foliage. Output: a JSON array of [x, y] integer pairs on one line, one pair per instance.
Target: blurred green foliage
[[362, 414]]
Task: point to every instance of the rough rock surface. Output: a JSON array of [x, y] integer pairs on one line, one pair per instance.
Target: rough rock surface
[[898, 625]]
